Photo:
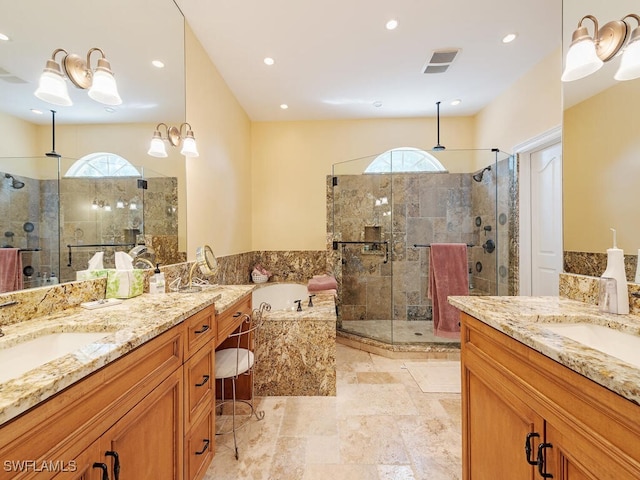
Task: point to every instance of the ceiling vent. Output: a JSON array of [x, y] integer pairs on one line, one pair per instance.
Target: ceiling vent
[[441, 60]]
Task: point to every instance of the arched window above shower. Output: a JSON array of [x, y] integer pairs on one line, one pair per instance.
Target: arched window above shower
[[405, 159], [102, 164]]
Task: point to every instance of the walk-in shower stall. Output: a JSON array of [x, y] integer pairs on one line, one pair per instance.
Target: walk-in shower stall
[[383, 213]]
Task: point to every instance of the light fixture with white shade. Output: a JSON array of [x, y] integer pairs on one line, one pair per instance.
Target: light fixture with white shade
[[630, 62], [174, 136], [52, 87], [587, 54]]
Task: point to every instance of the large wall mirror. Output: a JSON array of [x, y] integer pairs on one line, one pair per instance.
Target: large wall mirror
[[601, 145], [45, 207]]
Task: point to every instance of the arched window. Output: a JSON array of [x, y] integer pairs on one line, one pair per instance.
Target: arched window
[[405, 159], [102, 164]]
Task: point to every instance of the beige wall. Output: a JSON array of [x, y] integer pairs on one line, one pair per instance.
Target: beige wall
[[292, 159], [23, 137], [219, 180], [531, 106], [601, 173]]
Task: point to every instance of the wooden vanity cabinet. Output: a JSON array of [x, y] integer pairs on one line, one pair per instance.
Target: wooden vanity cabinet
[[137, 406], [514, 396]]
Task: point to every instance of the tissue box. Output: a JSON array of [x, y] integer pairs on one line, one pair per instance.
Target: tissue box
[[91, 274], [125, 283]]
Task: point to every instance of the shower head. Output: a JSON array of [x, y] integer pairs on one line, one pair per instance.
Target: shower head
[[478, 176], [17, 184]]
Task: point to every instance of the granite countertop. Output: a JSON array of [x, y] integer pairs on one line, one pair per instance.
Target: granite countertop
[[525, 318], [126, 326]]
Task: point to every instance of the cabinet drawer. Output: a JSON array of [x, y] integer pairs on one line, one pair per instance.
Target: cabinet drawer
[[199, 377], [228, 321], [200, 329], [199, 447]]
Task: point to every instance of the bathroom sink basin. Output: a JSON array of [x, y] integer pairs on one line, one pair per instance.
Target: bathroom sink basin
[[34, 352], [621, 345]]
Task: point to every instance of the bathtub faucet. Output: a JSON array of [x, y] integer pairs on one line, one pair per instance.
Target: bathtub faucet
[[299, 309], [311, 300]]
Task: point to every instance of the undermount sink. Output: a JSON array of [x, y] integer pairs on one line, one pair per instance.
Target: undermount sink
[[621, 345], [22, 357]]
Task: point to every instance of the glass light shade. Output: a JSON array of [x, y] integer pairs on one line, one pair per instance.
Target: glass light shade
[[104, 89], [157, 148], [120, 203], [52, 88], [133, 206], [630, 61], [189, 148], [107, 208], [582, 60]]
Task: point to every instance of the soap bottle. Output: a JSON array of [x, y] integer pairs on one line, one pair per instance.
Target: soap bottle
[[53, 280], [157, 283], [615, 270]]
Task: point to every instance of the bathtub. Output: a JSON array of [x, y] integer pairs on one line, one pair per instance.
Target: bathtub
[[280, 296]]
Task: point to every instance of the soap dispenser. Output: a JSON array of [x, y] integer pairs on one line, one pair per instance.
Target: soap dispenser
[[157, 283], [619, 302]]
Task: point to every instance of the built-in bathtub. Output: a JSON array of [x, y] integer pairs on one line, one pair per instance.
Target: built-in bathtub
[[297, 350], [281, 296]]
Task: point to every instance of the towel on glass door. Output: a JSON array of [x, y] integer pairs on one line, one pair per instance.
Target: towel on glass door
[[448, 275], [10, 270]]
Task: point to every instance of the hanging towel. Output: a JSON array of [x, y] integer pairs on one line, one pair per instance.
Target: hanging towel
[[10, 270], [448, 275], [322, 282]]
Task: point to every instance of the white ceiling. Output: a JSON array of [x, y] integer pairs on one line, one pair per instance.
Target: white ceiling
[[334, 58]]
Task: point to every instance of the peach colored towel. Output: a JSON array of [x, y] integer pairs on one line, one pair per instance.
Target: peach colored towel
[[322, 282], [448, 275], [10, 270]]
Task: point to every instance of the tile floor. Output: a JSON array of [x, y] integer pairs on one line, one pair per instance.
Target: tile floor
[[379, 426]]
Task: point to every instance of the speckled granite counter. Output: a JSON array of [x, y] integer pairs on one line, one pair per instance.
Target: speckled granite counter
[[524, 319], [126, 326]]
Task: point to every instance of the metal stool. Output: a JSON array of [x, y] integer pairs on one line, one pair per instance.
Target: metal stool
[[240, 360]]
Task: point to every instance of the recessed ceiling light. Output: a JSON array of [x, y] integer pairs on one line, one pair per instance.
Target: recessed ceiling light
[[269, 61], [284, 106], [392, 24], [509, 38], [4, 37], [157, 64], [109, 109], [36, 111], [455, 102], [377, 104]]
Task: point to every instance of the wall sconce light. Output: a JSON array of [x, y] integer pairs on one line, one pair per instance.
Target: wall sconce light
[[102, 86], [174, 136], [587, 54], [97, 204]]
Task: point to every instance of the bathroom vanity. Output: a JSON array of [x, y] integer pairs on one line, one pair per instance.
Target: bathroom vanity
[[140, 401], [538, 404]]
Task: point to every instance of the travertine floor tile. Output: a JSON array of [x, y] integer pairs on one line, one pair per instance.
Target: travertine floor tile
[[380, 426]]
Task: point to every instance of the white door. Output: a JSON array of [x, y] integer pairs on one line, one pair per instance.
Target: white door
[[546, 219]]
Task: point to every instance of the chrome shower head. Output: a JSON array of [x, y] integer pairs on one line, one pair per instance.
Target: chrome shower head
[[17, 184], [478, 175]]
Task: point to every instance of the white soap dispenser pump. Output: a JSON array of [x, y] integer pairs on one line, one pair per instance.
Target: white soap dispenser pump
[[615, 270]]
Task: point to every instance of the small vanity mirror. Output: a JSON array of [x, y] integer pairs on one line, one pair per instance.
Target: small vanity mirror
[[205, 262]]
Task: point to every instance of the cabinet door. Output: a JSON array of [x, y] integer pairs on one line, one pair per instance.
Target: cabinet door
[[495, 428], [81, 467], [572, 456], [148, 439]]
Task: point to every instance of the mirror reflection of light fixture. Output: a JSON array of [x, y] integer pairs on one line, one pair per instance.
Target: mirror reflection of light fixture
[[52, 87], [174, 136], [587, 54]]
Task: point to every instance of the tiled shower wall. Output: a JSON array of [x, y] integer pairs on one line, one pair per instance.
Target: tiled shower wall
[[416, 208]]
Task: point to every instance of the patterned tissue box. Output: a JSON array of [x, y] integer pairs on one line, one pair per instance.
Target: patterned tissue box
[[125, 283], [91, 274]]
